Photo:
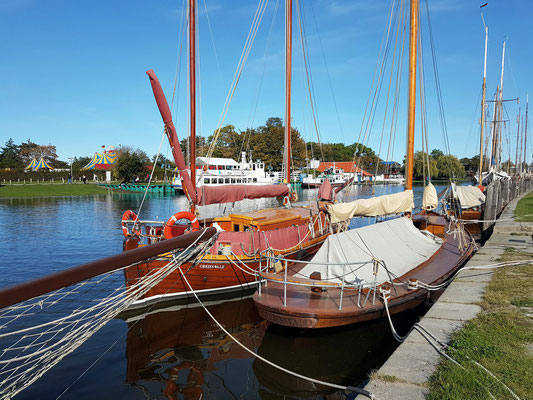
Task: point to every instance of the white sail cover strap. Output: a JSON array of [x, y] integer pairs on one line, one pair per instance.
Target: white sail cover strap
[[382, 205], [396, 244], [469, 196]]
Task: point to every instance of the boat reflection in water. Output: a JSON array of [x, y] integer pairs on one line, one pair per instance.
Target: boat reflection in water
[[183, 354]]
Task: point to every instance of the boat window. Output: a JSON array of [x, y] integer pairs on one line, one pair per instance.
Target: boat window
[[232, 180], [239, 180], [206, 180], [220, 180], [226, 180], [255, 179], [235, 227]]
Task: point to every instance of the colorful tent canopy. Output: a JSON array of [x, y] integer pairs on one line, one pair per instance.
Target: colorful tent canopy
[[32, 164], [95, 160], [107, 161], [41, 165]]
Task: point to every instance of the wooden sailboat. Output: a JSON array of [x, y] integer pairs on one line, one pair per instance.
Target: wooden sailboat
[[230, 264], [365, 273]]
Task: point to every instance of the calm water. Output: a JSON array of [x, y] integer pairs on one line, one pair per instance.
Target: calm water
[[177, 354]]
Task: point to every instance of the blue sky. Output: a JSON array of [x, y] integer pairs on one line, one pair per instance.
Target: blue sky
[[73, 72]]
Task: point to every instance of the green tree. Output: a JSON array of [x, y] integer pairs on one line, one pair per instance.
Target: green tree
[[449, 166], [436, 153], [10, 156], [420, 165], [130, 163]]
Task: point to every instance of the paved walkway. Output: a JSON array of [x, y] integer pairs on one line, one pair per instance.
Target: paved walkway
[[405, 375]]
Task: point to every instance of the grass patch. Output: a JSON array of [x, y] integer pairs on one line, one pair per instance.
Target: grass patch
[[524, 208], [498, 339], [45, 190]]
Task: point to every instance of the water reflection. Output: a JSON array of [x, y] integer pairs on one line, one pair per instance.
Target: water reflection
[[174, 354], [183, 354]]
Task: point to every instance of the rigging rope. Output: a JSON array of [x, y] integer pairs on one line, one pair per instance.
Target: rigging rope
[[266, 361]]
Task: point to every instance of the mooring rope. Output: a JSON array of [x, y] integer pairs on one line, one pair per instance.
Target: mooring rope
[[254, 354], [433, 340]]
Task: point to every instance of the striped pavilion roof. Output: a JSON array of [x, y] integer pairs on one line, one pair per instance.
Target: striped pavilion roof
[[32, 164], [42, 164]]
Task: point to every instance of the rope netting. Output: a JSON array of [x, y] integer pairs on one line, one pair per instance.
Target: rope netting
[[38, 333]]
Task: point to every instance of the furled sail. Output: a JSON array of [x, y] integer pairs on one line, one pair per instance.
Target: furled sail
[[230, 193], [352, 253], [469, 196], [430, 200], [382, 205], [206, 194]]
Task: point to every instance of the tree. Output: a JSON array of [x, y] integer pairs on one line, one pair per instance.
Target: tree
[[449, 166], [420, 165], [436, 153], [130, 163], [10, 156], [30, 150]]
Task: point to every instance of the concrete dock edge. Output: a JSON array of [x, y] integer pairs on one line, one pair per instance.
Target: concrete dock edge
[[406, 374]]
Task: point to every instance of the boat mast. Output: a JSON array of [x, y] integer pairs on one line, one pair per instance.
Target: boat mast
[[517, 142], [288, 68], [192, 88], [525, 135], [413, 38], [484, 88], [498, 118]]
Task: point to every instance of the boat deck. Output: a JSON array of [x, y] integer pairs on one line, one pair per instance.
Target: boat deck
[[323, 308]]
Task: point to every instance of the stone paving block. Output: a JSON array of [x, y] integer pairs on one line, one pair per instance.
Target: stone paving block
[[440, 328], [394, 390], [498, 251], [463, 292], [454, 311], [473, 275], [412, 362]]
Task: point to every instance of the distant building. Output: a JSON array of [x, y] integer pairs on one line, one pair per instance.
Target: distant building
[[350, 169]]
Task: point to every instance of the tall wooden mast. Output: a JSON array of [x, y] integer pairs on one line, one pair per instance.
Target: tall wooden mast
[[192, 87], [412, 94], [288, 68], [483, 102], [525, 134]]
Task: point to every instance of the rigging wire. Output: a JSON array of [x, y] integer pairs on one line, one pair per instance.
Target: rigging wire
[[260, 11], [308, 74]]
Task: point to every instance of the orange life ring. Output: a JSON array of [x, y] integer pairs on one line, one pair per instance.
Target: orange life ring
[[286, 201], [181, 215], [126, 217]]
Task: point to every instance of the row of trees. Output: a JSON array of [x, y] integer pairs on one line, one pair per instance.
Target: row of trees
[[266, 143], [18, 156]]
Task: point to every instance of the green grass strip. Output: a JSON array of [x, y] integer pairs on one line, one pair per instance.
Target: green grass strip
[[524, 208], [500, 338], [46, 190]]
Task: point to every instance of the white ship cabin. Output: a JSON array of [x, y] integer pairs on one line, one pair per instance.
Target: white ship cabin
[[227, 171]]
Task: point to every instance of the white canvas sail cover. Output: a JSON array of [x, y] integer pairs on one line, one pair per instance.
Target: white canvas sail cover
[[469, 196], [430, 200], [397, 243], [382, 205]]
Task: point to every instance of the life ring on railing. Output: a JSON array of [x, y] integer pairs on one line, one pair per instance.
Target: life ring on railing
[[129, 215], [180, 215], [286, 201]]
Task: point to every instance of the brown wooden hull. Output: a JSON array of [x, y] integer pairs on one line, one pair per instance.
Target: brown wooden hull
[[308, 309], [213, 277]]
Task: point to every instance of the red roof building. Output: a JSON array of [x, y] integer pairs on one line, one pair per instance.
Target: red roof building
[[347, 166]]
